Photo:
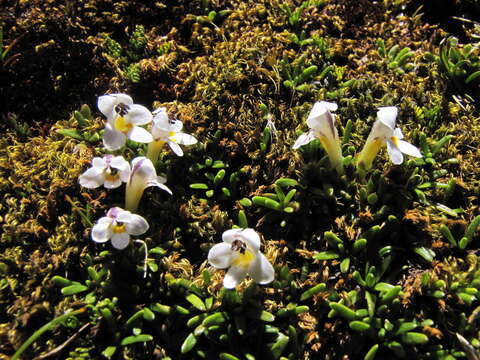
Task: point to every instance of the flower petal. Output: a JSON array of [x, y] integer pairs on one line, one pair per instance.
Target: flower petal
[[114, 212], [388, 115], [304, 139], [143, 168], [118, 162], [398, 133], [92, 178], [160, 115], [138, 115], [395, 154], [106, 103], [408, 149], [184, 139], [176, 148], [159, 185], [120, 241], [101, 231], [109, 184], [261, 270], [113, 139], [140, 135], [381, 131], [252, 239], [234, 276], [230, 235], [99, 163], [320, 108], [220, 255], [137, 225], [175, 126]]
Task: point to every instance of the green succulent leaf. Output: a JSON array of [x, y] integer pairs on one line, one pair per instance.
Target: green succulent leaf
[[313, 291], [326, 255], [414, 338], [74, 289], [343, 311], [359, 326], [188, 344], [136, 339], [371, 353]]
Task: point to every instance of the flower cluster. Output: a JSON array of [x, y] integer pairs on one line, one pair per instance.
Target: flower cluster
[[322, 126], [240, 250], [124, 121]]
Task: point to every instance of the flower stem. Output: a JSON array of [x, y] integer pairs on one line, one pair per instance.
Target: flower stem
[[146, 256], [48, 326]]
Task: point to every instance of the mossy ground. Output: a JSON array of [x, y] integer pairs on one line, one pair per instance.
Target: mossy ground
[[212, 64]]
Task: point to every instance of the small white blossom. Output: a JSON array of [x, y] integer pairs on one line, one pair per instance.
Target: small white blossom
[[321, 122], [385, 132], [123, 120], [143, 175], [240, 252], [165, 130], [109, 171], [118, 226]]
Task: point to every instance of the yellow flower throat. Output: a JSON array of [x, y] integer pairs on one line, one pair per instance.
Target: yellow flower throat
[[243, 259], [122, 126], [394, 140], [119, 228]]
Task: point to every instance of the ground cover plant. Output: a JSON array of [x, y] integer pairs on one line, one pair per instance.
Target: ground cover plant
[[239, 179]]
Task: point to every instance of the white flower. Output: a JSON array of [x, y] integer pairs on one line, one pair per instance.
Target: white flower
[[143, 175], [322, 126], [123, 118], [109, 171], [240, 252], [165, 130], [118, 226], [385, 132]]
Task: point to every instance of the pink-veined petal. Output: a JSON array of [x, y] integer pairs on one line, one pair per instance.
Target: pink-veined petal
[[113, 139], [137, 225], [140, 135], [120, 241], [234, 276], [124, 216], [220, 255], [114, 212], [261, 270], [408, 149]]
